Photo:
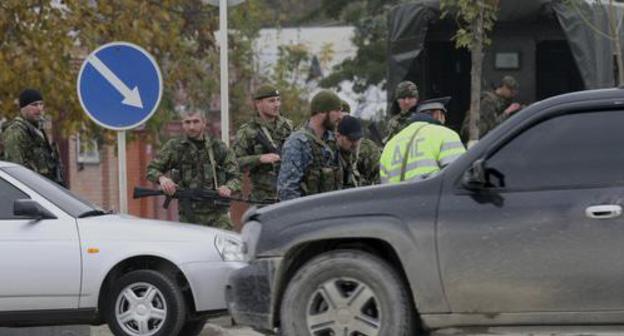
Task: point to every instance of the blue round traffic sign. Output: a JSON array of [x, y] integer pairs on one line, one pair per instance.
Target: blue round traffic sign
[[119, 86]]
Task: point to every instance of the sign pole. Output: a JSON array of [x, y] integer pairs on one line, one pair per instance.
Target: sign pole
[[123, 175], [225, 108]]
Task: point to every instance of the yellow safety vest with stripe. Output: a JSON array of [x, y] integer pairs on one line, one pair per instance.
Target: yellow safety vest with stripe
[[418, 151]]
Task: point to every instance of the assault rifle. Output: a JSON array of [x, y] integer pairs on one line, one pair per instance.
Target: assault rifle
[[194, 194], [261, 138]]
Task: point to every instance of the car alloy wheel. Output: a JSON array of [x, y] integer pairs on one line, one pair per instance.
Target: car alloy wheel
[[140, 309], [343, 306]]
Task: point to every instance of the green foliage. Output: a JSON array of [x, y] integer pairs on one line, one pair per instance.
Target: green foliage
[[43, 46], [369, 18], [289, 74], [467, 14]]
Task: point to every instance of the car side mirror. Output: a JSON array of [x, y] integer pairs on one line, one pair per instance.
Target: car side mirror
[[31, 209], [475, 178]]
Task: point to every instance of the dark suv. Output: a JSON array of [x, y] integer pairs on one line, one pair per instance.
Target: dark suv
[[525, 229]]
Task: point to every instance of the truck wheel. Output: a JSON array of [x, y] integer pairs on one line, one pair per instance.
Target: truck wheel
[[145, 303], [347, 292]]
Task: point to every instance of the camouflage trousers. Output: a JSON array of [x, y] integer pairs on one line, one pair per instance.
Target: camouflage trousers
[[216, 219]]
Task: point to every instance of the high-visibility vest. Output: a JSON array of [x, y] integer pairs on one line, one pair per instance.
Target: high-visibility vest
[[418, 151]]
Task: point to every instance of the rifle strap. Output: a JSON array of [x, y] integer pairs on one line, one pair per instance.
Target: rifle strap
[[213, 166], [267, 134]]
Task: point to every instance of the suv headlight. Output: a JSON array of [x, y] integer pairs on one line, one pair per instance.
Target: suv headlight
[[230, 249]]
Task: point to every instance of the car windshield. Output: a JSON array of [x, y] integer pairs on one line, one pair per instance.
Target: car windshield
[[61, 197]]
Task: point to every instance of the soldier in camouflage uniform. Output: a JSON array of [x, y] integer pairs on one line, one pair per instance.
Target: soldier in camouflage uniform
[[310, 161], [361, 163], [196, 160], [496, 106], [259, 142], [25, 141], [406, 96]]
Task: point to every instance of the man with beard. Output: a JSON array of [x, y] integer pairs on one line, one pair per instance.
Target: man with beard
[[26, 142], [196, 160], [360, 162], [259, 142], [310, 161]]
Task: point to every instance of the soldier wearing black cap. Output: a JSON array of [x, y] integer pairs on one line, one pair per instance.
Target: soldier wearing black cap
[[362, 161], [26, 143], [258, 143]]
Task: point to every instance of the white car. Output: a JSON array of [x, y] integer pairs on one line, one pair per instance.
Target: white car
[[65, 261]]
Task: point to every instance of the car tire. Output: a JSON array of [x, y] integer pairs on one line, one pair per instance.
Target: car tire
[[347, 291], [193, 328], [145, 303]]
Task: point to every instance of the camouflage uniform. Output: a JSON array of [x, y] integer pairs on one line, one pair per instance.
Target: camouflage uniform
[[189, 163], [361, 168], [491, 114], [402, 119], [309, 165], [248, 150], [28, 145]]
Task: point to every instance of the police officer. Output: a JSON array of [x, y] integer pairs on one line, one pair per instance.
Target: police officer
[[196, 160], [497, 105], [421, 149], [406, 97], [258, 143], [25, 141], [310, 162], [363, 159]]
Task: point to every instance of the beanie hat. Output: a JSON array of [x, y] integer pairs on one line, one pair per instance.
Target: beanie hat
[[266, 91], [406, 89], [28, 97], [344, 106], [510, 82], [350, 127], [325, 101]]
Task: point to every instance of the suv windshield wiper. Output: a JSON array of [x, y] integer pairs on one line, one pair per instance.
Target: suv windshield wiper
[[93, 213]]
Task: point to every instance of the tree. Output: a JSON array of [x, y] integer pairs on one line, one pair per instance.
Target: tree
[[475, 18], [369, 18]]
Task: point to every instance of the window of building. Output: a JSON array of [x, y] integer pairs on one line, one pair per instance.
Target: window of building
[[87, 150]]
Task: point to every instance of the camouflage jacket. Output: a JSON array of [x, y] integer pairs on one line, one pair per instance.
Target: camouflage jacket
[[491, 113], [190, 166], [309, 165], [251, 142], [361, 168], [397, 123], [28, 145]]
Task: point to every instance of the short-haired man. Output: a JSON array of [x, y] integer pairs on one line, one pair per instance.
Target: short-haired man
[[196, 160], [25, 141], [310, 162], [259, 142], [406, 97], [497, 105], [421, 149], [363, 159]]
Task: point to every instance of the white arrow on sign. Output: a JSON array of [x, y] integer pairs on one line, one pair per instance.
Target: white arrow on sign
[[131, 97]]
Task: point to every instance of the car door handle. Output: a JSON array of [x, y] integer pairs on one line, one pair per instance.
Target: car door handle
[[603, 211]]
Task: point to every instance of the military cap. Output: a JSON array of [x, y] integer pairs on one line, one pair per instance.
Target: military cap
[[266, 91], [350, 127], [406, 89], [433, 104], [325, 101], [28, 97], [510, 82], [345, 106]]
